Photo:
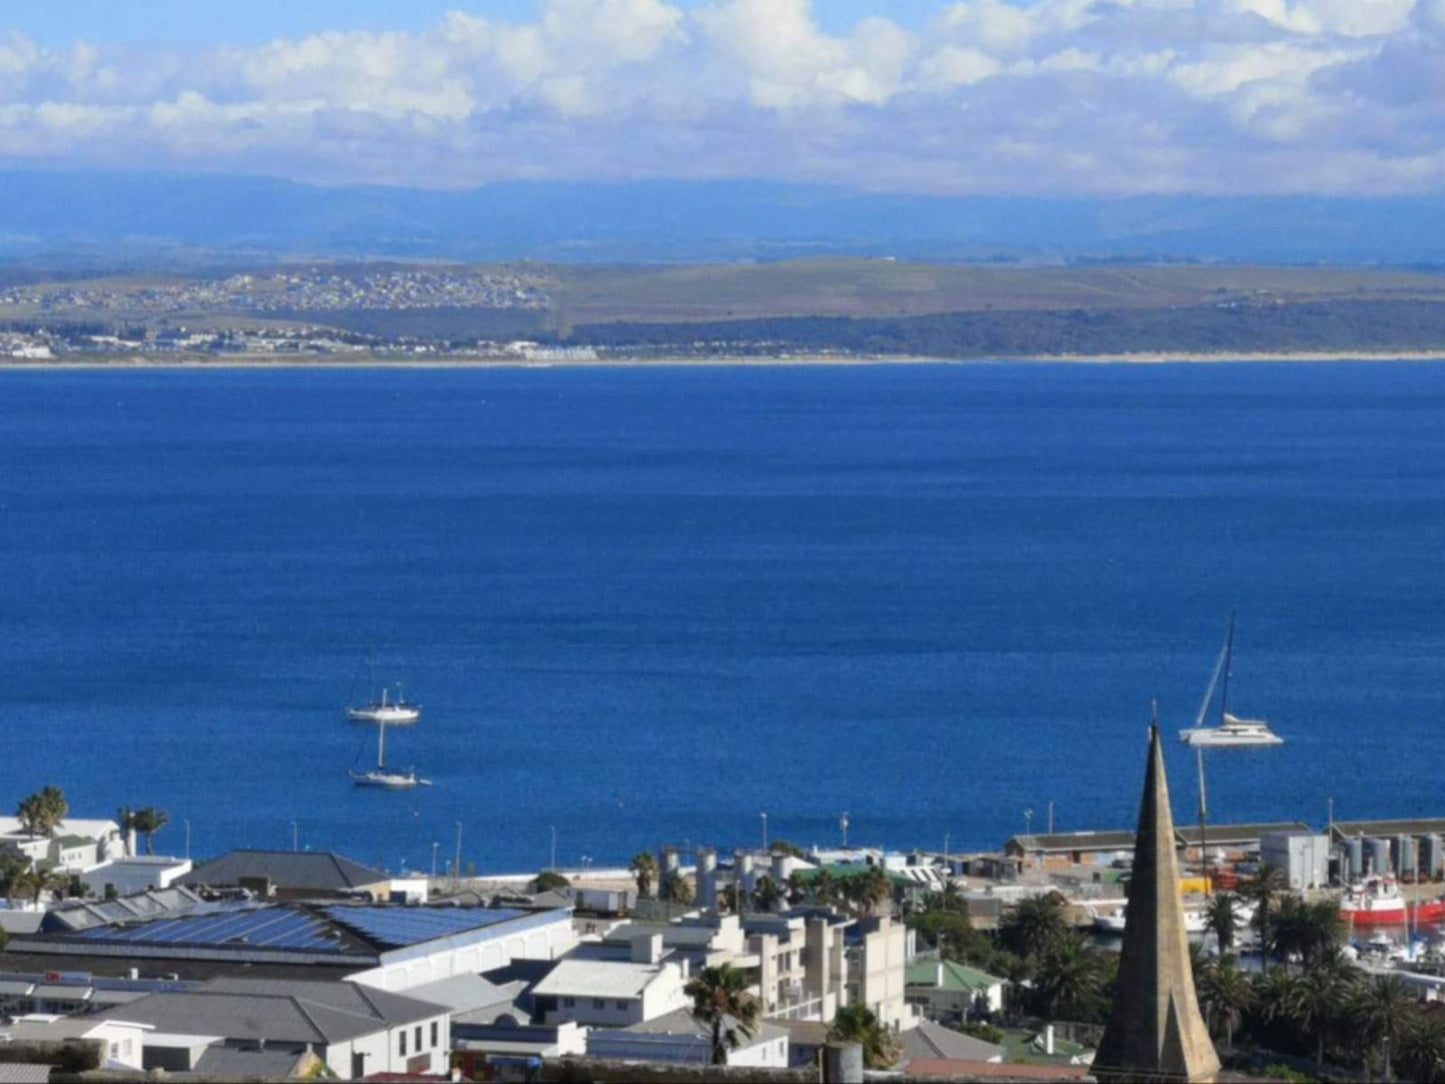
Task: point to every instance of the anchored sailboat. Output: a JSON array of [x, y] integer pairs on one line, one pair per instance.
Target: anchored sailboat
[[380, 777], [1231, 729], [391, 712]]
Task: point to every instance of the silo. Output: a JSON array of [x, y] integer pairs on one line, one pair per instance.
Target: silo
[[1355, 858], [1402, 851], [1379, 855], [1432, 856], [707, 878]]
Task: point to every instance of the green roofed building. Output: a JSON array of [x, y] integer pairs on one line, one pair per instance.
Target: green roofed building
[[952, 992]]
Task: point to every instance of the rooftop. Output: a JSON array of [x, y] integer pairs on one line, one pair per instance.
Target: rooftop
[[597, 978], [934, 1042], [956, 977], [278, 1011], [1424, 827], [318, 871]]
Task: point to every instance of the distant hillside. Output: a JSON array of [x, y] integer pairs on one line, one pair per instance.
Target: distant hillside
[[131, 220]]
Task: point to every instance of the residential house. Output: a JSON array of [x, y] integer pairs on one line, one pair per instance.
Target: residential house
[[309, 875], [612, 993], [122, 1041], [355, 1029], [74, 846], [127, 876], [952, 992], [933, 1042]]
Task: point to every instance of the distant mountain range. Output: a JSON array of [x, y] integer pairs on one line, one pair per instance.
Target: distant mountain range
[[115, 221]]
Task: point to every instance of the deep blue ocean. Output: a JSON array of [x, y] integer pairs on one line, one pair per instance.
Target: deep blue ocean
[[645, 605]]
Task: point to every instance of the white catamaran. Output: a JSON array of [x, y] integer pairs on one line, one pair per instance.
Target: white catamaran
[[1231, 729], [380, 777]]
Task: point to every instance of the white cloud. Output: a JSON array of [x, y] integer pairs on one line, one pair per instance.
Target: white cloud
[[1049, 96]]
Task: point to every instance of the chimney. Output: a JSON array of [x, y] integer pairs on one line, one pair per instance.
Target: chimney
[[647, 949]]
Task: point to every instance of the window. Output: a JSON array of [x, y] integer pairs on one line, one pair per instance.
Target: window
[[401, 1043], [418, 1038], [598, 1003], [569, 1003], [435, 1034], [622, 1006]]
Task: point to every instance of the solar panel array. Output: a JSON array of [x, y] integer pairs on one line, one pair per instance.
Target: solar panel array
[[251, 927], [397, 927]]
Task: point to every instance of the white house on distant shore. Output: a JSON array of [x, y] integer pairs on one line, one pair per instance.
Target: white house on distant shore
[[75, 846]]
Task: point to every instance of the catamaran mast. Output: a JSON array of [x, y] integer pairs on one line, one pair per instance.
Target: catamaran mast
[[381, 745], [1228, 662]]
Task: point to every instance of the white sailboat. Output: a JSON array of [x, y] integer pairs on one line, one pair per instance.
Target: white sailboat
[[391, 712], [1231, 730], [380, 777]]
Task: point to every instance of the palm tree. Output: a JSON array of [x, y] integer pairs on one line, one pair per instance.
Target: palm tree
[[859, 1024], [644, 871], [1422, 1049], [1030, 926], [679, 889], [1318, 1003], [825, 889], [1307, 930], [797, 887], [870, 891], [1269, 881], [41, 813], [1224, 995], [1222, 918], [766, 893], [125, 817], [148, 822], [720, 1001], [1384, 1010], [1069, 978], [37, 881]]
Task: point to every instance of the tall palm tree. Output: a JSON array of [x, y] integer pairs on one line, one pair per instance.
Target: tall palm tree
[[870, 891], [825, 889], [1385, 1009], [859, 1024], [1069, 978], [1225, 994], [148, 822], [1307, 930], [1222, 918], [41, 813], [1030, 926], [679, 889], [951, 898], [1318, 1003], [644, 872], [1262, 888], [37, 881], [721, 1002]]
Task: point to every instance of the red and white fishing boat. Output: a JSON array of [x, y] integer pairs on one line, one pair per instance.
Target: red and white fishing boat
[[1378, 902]]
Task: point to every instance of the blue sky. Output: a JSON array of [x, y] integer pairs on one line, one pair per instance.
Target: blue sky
[[193, 22], [1049, 97]]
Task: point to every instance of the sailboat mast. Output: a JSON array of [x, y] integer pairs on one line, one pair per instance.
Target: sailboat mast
[[381, 745], [1228, 663]]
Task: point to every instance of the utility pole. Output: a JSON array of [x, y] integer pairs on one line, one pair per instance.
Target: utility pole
[[188, 836], [295, 836], [765, 831], [434, 847], [1028, 822], [457, 868], [843, 824], [553, 866]]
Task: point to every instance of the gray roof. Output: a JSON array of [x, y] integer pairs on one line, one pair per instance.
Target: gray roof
[[276, 1010], [934, 1042], [20, 922], [1235, 833], [1112, 840], [229, 1063], [23, 1072], [320, 871], [1425, 827], [682, 1022], [462, 993]]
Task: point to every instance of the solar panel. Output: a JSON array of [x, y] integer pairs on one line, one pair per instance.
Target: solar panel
[[255, 927], [397, 927]]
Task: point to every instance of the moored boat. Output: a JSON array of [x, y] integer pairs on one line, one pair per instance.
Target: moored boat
[[1379, 902]]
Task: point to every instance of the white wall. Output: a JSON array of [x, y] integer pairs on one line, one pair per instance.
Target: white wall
[[772, 1053], [130, 876], [547, 942], [383, 1050]]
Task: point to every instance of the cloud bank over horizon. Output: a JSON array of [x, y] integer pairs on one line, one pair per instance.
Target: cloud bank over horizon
[[1052, 98]]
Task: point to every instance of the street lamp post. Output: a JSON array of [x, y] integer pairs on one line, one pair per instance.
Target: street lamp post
[[295, 836], [457, 866], [843, 824], [553, 866], [1028, 822], [765, 831], [188, 836], [434, 847]]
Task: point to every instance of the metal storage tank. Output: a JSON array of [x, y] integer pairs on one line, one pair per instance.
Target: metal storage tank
[[1379, 856], [1355, 853], [1432, 856], [1402, 851]]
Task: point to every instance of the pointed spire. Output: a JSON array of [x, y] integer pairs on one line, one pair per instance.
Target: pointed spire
[[1156, 1031]]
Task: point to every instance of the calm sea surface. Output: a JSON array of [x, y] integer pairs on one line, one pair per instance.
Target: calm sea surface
[[646, 605]]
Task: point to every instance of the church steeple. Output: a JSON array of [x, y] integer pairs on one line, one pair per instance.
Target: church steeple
[[1156, 1031]]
